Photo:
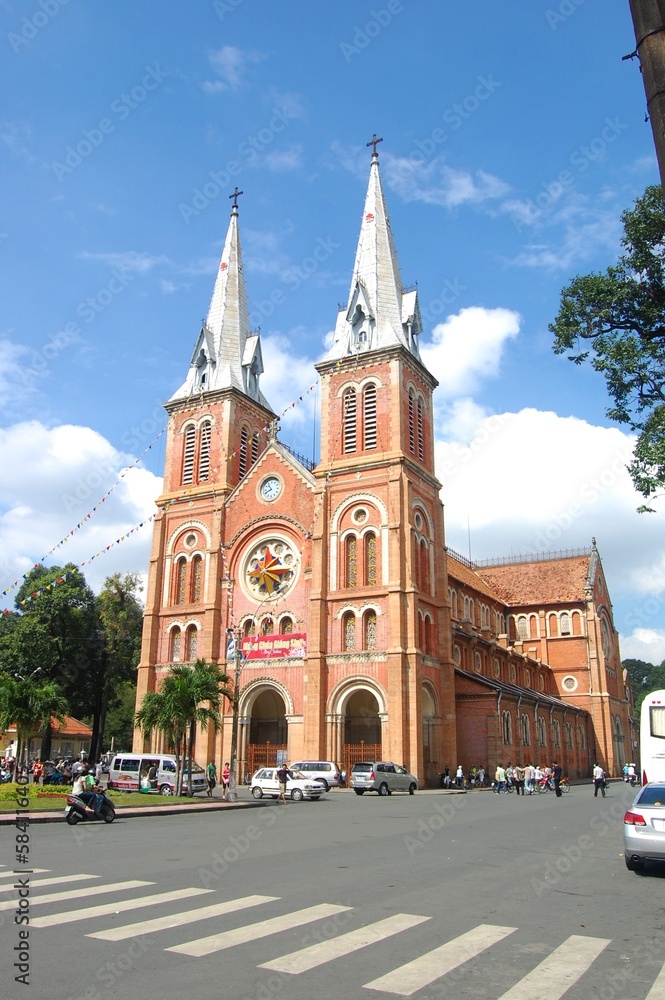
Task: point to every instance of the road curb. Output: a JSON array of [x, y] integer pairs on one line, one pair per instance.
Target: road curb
[[130, 812]]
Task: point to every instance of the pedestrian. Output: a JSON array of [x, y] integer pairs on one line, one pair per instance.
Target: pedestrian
[[518, 779], [282, 774], [500, 780], [226, 778], [481, 777], [211, 774], [459, 776], [598, 780], [557, 774]]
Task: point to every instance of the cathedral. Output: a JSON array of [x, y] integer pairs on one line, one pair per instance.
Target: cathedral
[[328, 589]]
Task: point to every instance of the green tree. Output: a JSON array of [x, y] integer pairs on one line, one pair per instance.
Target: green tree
[[121, 622], [190, 696], [617, 319], [29, 703], [644, 678], [119, 728]]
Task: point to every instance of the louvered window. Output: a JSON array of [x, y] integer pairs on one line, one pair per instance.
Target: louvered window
[[255, 447], [421, 444], [243, 452], [412, 430], [188, 463], [370, 560], [351, 561], [369, 402], [349, 421], [204, 451]]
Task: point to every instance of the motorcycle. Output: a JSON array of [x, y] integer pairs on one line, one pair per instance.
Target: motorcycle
[[76, 810]]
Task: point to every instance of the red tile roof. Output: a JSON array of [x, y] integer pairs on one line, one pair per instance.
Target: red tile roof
[[548, 581]]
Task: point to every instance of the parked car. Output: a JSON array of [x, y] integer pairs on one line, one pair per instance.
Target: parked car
[[644, 827], [383, 777], [265, 785], [325, 772]]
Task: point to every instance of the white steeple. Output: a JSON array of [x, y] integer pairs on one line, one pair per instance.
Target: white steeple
[[379, 312], [227, 354]]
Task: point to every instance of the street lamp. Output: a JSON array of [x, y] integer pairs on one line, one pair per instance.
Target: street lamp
[[234, 636]]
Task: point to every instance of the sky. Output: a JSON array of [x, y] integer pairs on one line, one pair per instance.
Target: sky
[[514, 136]]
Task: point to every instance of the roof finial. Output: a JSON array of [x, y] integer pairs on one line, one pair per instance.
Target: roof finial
[[236, 194], [374, 143]]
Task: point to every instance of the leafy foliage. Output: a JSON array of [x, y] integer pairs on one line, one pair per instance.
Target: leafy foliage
[[644, 678], [618, 320]]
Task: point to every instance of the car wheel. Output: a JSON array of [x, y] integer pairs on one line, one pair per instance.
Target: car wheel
[[634, 865], [257, 792], [166, 790], [359, 791], [322, 781], [296, 794], [109, 816], [383, 789], [412, 788]]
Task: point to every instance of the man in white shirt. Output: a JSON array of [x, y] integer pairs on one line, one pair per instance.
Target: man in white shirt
[[598, 780]]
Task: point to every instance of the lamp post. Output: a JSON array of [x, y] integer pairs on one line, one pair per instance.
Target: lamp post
[[235, 636]]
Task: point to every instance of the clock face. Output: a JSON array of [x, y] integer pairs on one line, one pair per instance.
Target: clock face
[[271, 488]]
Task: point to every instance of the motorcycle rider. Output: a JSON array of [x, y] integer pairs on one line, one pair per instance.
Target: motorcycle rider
[[90, 792]]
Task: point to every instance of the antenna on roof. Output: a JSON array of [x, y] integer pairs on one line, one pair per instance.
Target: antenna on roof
[[468, 533]]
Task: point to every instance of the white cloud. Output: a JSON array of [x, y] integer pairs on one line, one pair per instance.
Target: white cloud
[[52, 478], [287, 377], [646, 644], [467, 348], [284, 160], [128, 260], [435, 183], [229, 63]]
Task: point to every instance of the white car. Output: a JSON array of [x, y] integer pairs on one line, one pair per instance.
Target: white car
[[265, 785]]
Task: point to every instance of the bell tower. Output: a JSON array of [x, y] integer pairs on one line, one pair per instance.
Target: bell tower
[[379, 588]]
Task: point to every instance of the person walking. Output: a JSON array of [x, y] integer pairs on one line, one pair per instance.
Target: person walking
[[518, 779], [226, 778], [211, 774], [557, 774], [598, 780], [282, 774], [500, 780]]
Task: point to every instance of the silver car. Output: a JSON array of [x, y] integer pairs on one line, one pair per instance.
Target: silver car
[[644, 827], [381, 776]]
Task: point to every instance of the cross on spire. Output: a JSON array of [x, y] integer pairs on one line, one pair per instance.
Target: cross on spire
[[374, 143], [236, 194]]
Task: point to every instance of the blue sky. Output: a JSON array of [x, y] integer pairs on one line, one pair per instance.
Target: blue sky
[[514, 137]]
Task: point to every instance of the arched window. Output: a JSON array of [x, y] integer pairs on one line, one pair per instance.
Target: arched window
[[267, 626], [542, 742], [421, 443], [580, 737], [255, 446], [526, 731], [429, 636], [523, 627], [349, 407], [191, 642], [556, 734], [180, 581], [424, 567], [249, 627], [242, 465], [507, 728], [188, 459], [204, 451], [176, 645], [197, 579], [351, 561], [349, 632], [286, 625], [370, 559], [569, 735], [369, 416], [564, 622], [453, 608], [369, 630], [412, 429]]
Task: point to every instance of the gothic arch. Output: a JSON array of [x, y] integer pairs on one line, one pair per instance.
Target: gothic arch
[[344, 689], [251, 691], [190, 525]]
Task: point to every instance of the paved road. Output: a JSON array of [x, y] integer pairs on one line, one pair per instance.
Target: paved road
[[477, 896]]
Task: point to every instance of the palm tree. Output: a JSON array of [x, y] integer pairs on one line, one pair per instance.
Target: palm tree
[[189, 696], [29, 705]]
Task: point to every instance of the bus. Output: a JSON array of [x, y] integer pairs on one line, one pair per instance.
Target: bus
[[652, 737]]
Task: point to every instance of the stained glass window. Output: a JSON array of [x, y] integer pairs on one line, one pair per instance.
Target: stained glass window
[[507, 728], [267, 626], [526, 731], [286, 626], [556, 733], [176, 644], [541, 733], [197, 578], [249, 628], [370, 559], [349, 624], [192, 638], [181, 580], [370, 630], [351, 561]]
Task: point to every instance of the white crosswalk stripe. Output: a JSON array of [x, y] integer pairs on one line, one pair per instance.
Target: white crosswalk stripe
[[252, 932], [657, 991], [559, 971], [33, 871], [93, 890], [345, 944], [118, 906], [181, 919], [36, 883], [415, 975]]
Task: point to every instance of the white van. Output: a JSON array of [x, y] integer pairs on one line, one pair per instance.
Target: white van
[[131, 772]]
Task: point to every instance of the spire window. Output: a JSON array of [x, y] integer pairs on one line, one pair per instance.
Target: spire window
[[204, 451], [350, 406], [244, 438], [421, 443], [369, 416], [412, 429], [188, 461], [255, 446]]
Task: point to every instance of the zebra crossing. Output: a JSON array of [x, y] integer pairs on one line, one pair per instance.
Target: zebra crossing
[[551, 979]]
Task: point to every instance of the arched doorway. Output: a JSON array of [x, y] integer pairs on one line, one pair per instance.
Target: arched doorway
[[362, 728], [267, 731], [428, 709], [619, 750]]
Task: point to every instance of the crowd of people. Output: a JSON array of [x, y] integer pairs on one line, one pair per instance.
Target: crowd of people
[[527, 779]]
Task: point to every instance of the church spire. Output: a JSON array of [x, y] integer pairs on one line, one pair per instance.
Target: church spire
[[379, 312], [227, 354]]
